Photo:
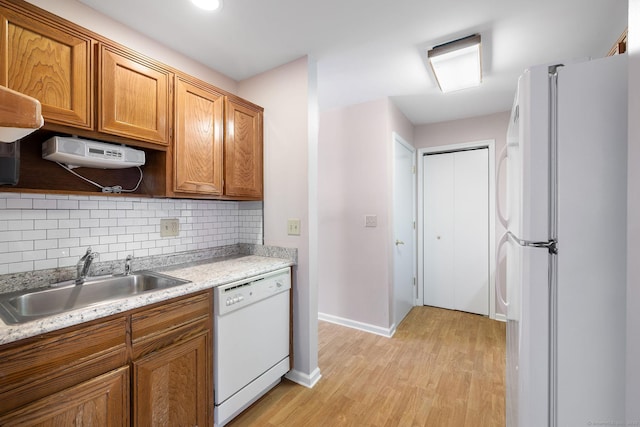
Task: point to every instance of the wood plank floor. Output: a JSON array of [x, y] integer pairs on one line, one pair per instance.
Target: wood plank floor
[[441, 368]]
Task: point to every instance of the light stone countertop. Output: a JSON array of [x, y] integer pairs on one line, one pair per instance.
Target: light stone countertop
[[202, 274]]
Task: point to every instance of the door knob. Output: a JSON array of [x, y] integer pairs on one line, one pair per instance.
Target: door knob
[[399, 242]]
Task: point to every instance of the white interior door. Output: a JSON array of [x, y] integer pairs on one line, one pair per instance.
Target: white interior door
[[456, 230], [404, 284]]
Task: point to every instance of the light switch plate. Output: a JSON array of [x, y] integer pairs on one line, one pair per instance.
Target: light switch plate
[[293, 227], [371, 220], [169, 227]]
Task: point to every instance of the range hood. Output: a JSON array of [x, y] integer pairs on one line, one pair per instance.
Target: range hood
[[20, 115]]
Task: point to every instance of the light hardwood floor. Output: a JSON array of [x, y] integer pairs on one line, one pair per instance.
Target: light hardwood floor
[[441, 368]]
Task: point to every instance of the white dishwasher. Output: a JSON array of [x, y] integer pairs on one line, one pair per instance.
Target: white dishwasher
[[251, 340]]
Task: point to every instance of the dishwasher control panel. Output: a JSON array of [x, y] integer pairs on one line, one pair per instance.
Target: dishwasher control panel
[[236, 295]]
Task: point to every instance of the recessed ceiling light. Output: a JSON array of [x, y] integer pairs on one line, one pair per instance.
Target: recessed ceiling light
[[208, 4]]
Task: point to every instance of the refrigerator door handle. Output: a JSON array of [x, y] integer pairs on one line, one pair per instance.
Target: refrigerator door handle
[[503, 241], [550, 245], [502, 158]]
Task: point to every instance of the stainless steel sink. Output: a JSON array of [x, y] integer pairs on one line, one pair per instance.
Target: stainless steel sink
[[65, 296]]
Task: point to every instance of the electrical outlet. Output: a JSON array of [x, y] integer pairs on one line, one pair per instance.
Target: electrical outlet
[[293, 227], [169, 227], [370, 220]]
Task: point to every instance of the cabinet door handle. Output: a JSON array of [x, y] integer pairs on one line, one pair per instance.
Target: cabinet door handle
[[399, 242]]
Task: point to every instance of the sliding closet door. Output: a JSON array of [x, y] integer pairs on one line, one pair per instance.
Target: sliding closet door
[[456, 230]]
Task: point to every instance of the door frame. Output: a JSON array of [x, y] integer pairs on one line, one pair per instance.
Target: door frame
[[396, 138], [490, 145]]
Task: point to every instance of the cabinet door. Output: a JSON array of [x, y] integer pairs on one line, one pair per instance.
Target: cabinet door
[[102, 401], [170, 385], [49, 63], [197, 154], [243, 152], [133, 97]]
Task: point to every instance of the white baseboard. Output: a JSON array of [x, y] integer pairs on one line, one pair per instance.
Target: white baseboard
[[307, 380], [388, 332], [501, 317]]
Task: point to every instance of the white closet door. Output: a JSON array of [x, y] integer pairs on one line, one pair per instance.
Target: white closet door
[[439, 200], [456, 224]]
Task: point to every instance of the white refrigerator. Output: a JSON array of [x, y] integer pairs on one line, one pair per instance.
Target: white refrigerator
[[566, 169]]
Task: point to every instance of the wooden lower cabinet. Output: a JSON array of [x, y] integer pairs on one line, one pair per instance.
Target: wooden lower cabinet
[[170, 385], [102, 401], [149, 366]]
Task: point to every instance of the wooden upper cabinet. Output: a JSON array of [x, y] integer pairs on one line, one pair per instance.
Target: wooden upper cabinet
[[50, 63], [243, 151], [199, 132], [133, 97]]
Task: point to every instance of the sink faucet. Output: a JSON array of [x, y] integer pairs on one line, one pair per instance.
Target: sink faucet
[[84, 264], [127, 265]]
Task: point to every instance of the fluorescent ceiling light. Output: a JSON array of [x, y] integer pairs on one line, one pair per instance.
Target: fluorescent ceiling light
[[457, 64], [208, 4]]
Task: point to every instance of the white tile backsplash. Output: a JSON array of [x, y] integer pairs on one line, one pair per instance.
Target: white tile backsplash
[[39, 231]]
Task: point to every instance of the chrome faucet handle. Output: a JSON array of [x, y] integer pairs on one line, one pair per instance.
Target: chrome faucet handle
[[127, 265], [84, 264], [86, 254]]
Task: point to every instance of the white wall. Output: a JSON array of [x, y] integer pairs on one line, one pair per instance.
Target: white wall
[[90, 19], [633, 220], [287, 94], [354, 173], [493, 126]]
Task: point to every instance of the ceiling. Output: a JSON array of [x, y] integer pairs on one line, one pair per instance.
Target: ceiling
[[370, 49]]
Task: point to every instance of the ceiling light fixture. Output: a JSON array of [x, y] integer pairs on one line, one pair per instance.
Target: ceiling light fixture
[[457, 65], [210, 5]]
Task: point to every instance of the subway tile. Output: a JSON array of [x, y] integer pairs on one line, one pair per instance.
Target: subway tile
[[89, 223], [58, 214], [89, 241], [80, 214], [117, 247], [45, 264], [58, 253], [38, 214], [62, 233], [20, 246], [69, 243], [68, 204], [10, 257], [34, 255], [10, 214], [97, 213], [20, 225], [45, 244], [108, 240], [67, 262], [46, 224], [125, 238], [99, 231], [34, 234], [19, 204], [20, 267], [79, 232], [88, 204], [131, 246], [69, 223]]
